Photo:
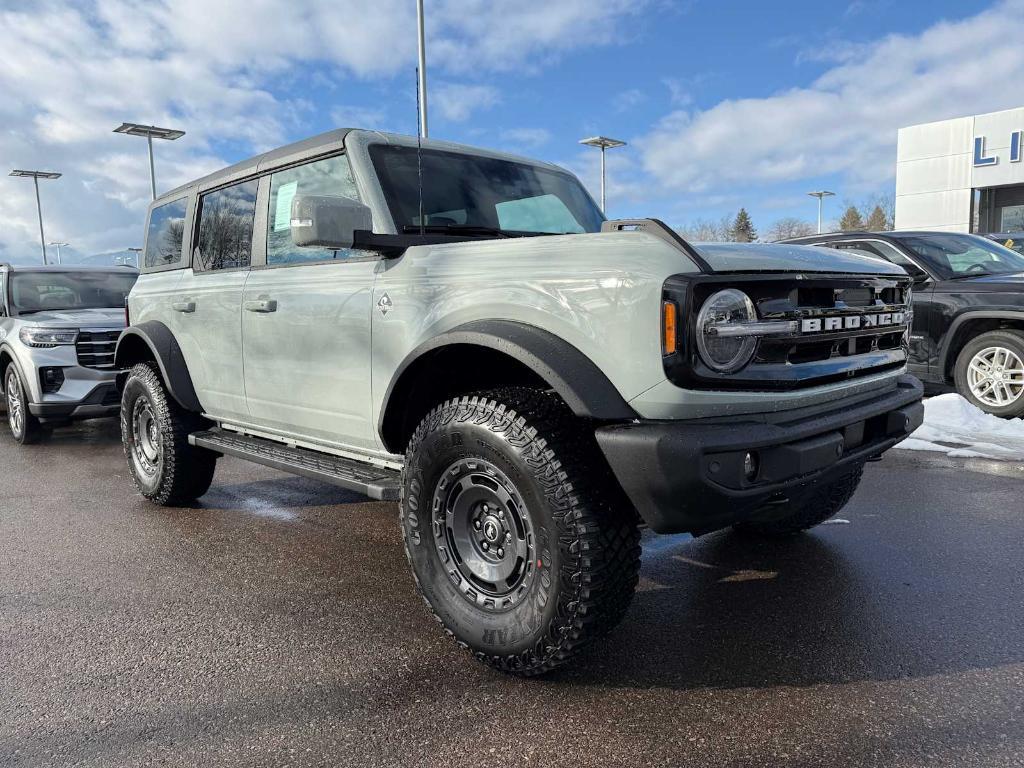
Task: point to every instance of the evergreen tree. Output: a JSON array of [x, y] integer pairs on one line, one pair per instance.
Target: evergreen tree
[[877, 221], [743, 228], [851, 221]]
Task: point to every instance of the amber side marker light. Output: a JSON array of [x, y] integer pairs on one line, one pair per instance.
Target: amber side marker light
[[669, 313]]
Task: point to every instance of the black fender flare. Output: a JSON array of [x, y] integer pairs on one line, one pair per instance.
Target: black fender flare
[[165, 350], [964, 317], [575, 377]]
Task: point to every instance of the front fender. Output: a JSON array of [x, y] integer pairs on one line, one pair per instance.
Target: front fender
[[153, 340]]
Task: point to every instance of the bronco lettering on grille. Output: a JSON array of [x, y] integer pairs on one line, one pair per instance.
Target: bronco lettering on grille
[[851, 322]]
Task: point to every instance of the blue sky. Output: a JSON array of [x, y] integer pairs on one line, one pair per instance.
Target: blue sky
[[723, 103]]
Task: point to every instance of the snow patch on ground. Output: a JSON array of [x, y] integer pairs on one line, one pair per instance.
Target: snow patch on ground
[[959, 429]]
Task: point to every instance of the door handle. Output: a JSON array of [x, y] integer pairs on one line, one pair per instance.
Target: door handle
[[188, 307], [260, 305]]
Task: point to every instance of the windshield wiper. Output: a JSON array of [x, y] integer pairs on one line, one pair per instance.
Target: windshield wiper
[[460, 229]]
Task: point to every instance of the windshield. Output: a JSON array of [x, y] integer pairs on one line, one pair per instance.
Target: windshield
[[466, 192], [955, 255], [50, 291]]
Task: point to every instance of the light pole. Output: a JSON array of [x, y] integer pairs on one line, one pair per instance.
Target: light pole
[[150, 132], [138, 256], [820, 194], [423, 68], [59, 244], [36, 176], [603, 143]]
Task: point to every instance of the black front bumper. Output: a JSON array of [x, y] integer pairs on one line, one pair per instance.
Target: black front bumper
[[691, 476], [104, 400]]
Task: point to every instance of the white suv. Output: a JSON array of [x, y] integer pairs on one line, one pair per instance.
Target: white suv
[[58, 329]]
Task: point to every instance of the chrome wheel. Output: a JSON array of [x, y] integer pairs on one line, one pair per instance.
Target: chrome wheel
[[15, 411], [146, 448], [996, 376], [483, 534]]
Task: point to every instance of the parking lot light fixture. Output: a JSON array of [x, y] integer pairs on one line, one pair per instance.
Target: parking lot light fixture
[[36, 176], [59, 245], [820, 194], [603, 143], [150, 132]]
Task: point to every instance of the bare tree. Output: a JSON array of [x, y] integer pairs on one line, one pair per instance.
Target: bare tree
[[706, 230], [788, 227]]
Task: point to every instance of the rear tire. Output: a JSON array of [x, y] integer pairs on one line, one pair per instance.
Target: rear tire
[[990, 368], [25, 428], [154, 434], [519, 542], [810, 508]]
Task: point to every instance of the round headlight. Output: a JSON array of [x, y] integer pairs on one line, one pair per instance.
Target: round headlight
[[725, 354]]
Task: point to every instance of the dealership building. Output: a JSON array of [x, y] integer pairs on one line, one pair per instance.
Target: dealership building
[[962, 175]]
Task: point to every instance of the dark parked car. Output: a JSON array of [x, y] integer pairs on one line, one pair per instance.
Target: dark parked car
[[968, 328]]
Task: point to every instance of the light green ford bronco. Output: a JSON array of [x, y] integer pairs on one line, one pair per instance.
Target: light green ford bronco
[[460, 331]]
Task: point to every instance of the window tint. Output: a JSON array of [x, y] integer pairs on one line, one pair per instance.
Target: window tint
[[166, 233], [330, 177], [225, 227], [476, 191]]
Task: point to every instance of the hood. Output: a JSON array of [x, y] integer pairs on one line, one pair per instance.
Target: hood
[[782, 257], [77, 318]]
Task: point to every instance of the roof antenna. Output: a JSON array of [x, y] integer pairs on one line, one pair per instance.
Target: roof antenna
[[419, 150]]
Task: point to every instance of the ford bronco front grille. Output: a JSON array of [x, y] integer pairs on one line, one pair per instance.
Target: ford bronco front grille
[[95, 348], [837, 328]]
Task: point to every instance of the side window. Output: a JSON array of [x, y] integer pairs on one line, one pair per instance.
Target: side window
[[331, 177], [865, 249], [3, 294], [225, 227], [165, 234], [887, 252]]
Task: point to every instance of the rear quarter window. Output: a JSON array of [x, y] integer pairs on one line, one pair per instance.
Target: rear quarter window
[[165, 235]]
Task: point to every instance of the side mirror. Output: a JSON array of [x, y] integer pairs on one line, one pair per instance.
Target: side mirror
[[322, 221], [918, 275]]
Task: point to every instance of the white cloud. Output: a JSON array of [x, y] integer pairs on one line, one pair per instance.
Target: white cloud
[[530, 138], [458, 102], [629, 100], [845, 122], [358, 117]]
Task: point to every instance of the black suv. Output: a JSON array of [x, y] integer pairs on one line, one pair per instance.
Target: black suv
[[968, 328]]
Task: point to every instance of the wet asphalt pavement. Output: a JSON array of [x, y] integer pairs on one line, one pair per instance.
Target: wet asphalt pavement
[[277, 625]]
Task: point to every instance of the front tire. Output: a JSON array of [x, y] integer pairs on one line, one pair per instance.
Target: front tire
[[519, 543], [154, 434], [25, 428], [989, 372], [805, 510]]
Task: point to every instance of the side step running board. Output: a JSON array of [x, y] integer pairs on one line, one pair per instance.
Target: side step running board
[[375, 482]]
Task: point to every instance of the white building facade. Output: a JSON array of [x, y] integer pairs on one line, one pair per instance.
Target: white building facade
[[962, 175]]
